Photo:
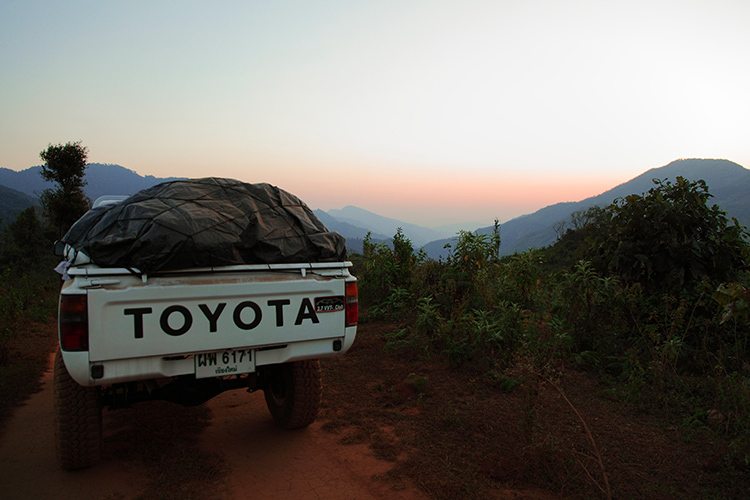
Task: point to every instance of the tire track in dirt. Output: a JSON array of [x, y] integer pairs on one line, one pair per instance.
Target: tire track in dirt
[[305, 464]]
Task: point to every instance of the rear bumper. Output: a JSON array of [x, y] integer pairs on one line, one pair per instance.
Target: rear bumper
[[154, 367]]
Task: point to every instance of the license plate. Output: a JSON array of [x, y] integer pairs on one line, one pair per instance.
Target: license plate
[[224, 363]]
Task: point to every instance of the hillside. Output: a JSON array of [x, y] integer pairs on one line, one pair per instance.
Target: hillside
[[728, 182], [378, 224], [101, 179], [347, 229], [12, 202], [354, 234]]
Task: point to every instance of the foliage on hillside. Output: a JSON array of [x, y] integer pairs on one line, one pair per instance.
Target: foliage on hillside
[[13, 202], [27, 280], [28, 300], [651, 294]]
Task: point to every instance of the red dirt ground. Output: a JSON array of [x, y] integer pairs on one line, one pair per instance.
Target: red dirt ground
[[259, 460]]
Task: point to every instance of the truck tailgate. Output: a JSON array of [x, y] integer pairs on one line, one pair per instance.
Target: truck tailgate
[[180, 316]]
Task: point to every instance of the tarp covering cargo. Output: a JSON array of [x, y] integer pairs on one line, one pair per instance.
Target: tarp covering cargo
[[204, 223]]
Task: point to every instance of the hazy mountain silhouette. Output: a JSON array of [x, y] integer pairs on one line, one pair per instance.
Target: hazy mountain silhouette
[[354, 234], [347, 229], [384, 225], [728, 183], [117, 180], [101, 179]]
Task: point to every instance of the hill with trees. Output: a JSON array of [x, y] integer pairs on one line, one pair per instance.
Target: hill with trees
[[13, 202]]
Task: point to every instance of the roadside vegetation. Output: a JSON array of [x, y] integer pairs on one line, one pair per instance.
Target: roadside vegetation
[[29, 286], [648, 298], [28, 304]]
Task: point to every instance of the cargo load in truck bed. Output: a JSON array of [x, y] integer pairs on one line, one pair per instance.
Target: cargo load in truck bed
[[207, 222]]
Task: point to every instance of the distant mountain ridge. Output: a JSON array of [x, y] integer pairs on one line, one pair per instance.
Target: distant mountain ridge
[[101, 178], [345, 228], [384, 225], [728, 183], [20, 190]]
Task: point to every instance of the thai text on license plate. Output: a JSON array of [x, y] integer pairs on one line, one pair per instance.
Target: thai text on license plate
[[224, 363]]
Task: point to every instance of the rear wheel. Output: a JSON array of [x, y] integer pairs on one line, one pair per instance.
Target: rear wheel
[[292, 392], [78, 420]]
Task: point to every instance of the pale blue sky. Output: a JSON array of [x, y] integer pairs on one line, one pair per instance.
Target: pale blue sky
[[428, 111]]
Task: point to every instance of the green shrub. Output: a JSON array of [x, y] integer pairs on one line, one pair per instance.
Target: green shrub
[[667, 239], [386, 276]]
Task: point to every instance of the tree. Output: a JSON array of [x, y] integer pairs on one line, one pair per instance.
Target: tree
[[64, 164], [667, 238]]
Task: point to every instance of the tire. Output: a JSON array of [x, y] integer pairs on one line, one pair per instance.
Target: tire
[[78, 420], [292, 392]]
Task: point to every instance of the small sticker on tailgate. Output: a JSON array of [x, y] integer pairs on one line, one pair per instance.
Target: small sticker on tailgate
[[224, 363], [329, 304]]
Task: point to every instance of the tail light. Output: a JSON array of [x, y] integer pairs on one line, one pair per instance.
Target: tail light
[[74, 325], [352, 304]]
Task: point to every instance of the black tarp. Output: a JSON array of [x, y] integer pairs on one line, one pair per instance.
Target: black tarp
[[204, 223]]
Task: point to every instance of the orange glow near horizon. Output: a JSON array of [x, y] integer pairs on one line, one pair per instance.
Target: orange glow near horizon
[[420, 198]]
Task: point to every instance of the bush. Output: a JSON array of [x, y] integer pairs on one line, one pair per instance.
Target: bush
[[28, 284], [667, 239], [386, 276]]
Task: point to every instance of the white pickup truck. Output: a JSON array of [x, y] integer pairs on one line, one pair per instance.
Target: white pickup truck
[[186, 335]]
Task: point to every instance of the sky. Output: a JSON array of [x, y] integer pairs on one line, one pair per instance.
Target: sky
[[432, 112]]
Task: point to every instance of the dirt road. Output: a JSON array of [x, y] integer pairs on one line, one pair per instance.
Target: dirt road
[[257, 459], [268, 462], [29, 469]]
